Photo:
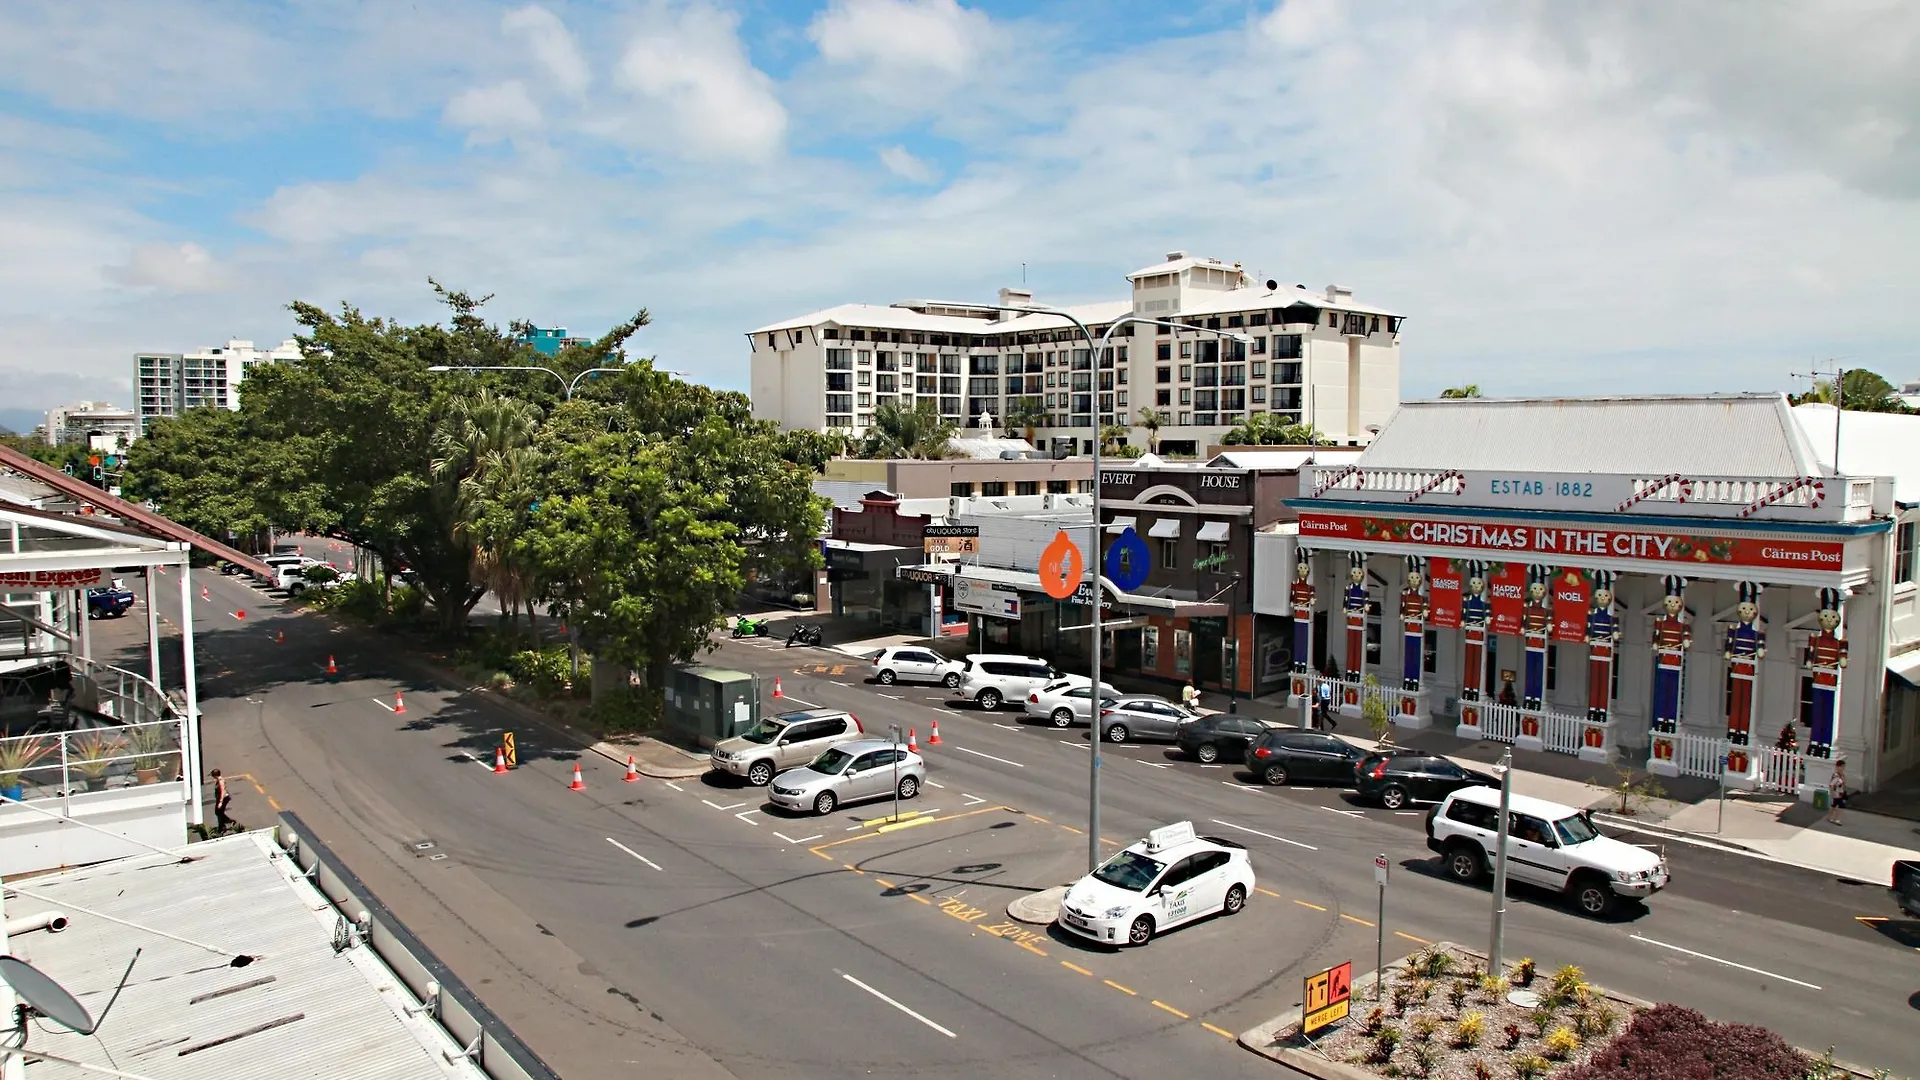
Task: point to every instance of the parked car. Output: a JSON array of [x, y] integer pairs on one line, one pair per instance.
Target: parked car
[[1395, 779], [1144, 718], [912, 663], [988, 679], [1550, 845], [849, 773], [1171, 877], [1287, 755], [109, 601], [1065, 701], [784, 741], [1219, 737], [1906, 885]]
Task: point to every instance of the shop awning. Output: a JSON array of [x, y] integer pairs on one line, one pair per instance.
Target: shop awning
[[1167, 528], [1212, 532], [1906, 667], [1120, 524]]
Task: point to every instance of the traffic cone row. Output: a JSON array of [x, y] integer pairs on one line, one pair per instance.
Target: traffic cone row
[[579, 783], [633, 774]]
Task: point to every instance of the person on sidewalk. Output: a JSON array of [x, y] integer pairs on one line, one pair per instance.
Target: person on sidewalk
[[222, 799], [1837, 793], [1323, 708], [1190, 697]]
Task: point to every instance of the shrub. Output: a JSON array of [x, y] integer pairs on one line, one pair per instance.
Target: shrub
[[1385, 1042], [1469, 1029], [1593, 1021], [548, 670], [1512, 1034], [1560, 1044], [1423, 1028], [1425, 1057], [1542, 1020], [1523, 971], [1376, 1019], [1402, 997], [627, 709], [1481, 1070], [357, 599], [1457, 993], [1567, 984], [1431, 963], [1495, 987], [1529, 1066], [1674, 1041], [1422, 990]]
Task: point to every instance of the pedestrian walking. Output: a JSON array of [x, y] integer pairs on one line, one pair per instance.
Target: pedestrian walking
[[1837, 793], [1323, 707], [222, 798], [1190, 697]]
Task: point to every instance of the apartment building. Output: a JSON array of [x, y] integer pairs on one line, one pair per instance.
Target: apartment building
[[168, 384], [84, 420], [1311, 356]]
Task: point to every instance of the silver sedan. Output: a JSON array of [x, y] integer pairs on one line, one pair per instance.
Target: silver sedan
[[850, 772], [1065, 701]]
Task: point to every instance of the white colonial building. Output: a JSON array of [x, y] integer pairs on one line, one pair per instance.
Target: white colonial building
[[1316, 356]]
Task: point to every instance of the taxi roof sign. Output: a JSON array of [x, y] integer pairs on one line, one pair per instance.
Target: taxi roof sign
[[1170, 836]]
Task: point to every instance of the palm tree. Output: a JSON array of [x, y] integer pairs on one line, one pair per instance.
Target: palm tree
[[1113, 437], [920, 433], [1471, 390], [1027, 414], [1266, 429], [482, 446], [1152, 419], [1859, 391]]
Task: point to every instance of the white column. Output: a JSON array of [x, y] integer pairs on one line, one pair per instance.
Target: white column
[[190, 738], [153, 630], [80, 611]]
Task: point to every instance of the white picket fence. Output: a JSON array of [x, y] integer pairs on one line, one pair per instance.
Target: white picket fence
[[1501, 723], [1561, 733], [1697, 755], [1781, 771], [1390, 696]]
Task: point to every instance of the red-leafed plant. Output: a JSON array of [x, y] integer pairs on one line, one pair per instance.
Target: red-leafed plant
[[1670, 1042]]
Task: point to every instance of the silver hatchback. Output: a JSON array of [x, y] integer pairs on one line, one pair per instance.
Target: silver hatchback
[[850, 772], [1143, 718]]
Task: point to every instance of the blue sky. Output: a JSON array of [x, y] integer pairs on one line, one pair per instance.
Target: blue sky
[[1632, 197]]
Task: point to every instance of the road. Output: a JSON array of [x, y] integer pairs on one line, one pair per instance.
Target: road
[[687, 925]]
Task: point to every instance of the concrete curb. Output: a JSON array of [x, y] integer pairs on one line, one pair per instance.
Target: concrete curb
[[1679, 836], [646, 768], [1038, 909]]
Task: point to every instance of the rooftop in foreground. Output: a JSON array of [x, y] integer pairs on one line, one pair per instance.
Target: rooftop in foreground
[[300, 1008]]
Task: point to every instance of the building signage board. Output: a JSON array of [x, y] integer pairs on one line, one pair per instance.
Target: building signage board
[[1572, 593], [923, 577], [51, 580], [951, 539], [986, 598], [1507, 595], [1444, 582], [839, 558], [1551, 544]]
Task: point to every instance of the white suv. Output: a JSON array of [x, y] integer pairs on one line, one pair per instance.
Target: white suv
[[991, 678], [911, 663], [1550, 845]]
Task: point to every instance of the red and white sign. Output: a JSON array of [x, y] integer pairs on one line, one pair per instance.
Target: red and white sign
[[1540, 543], [1443, 594], [51, 580], [1572, 592], [1507, 595]]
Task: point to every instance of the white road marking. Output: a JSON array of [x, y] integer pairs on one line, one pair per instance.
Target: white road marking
[[1155, 764], [895, 697], [633, 853], [1009, 727], [1408, 813], [1268, 835], [942, 787], [382, 704], [897, 1005], [1729, 963], [717, 806], [674, 786], [1240, 787], [743, 816], [798, 701], [477, 761], [802, 840], [1064, 742], [1349, 813], [990, 757], [1213, 766], [977, 800], [855, 828]]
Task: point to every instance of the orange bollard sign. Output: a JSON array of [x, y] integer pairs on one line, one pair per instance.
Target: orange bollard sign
[[1061, 566]]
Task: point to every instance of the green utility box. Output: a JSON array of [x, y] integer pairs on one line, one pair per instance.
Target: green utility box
[[709, 704]]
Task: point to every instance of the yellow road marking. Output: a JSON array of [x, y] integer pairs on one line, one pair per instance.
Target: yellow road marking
[[1266, 892], [885, 884], [922, 899], [822, 854], [1871, 918], [1071, 966], [1171, 1009], [1040, 819], [1123, 989], [1108, 840], [1222, 1032], [1073, 830], [871, 822], [821, 849], [1410, 937], [271, 801], [1355, 918], [854, 868], [1315, 907], [1031, 949], [907, 824]]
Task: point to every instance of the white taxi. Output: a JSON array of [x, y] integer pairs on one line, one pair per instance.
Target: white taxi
[[1170, 878]]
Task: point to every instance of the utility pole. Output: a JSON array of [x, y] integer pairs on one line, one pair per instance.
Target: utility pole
[[1839, 377], [1495, 960]]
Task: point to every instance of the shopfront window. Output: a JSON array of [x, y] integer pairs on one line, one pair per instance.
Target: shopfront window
[[1150, 648], [1903, 552], [1375, 631], [1182, 652]]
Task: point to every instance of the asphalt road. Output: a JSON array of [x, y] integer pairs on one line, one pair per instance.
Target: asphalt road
[[688, 925]]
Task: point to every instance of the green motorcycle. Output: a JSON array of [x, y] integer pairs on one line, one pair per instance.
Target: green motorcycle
[[747, 626]]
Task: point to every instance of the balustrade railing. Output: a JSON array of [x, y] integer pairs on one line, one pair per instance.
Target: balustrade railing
[[60, 764]]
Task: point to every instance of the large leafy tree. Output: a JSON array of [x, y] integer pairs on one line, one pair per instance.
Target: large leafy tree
[[204, 470], [484, 460], [1859, 390], [1266, 429]]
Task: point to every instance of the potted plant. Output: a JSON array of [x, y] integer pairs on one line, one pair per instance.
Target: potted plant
[[91, 753], [17, 755], [153, 749]]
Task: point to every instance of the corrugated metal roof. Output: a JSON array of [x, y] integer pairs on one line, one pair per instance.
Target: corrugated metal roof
[[1871, 444], [240, 895], [1748, 435]]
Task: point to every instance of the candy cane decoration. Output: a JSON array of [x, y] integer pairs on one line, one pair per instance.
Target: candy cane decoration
[[1653, 487], [1818, 485], [1435, 483], [1325, 486]]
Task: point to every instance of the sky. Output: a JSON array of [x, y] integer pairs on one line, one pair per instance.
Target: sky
[[1631, 197]]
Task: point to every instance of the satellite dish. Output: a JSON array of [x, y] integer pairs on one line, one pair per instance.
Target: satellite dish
[[48, 998]]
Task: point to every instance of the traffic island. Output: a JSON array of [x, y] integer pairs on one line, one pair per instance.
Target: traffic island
[[1040, 908]]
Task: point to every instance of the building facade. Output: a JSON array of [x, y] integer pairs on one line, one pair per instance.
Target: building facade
[[1316, 356], [961, 477], [168, 384], [84, 421], [549, 340], [1673, 582]]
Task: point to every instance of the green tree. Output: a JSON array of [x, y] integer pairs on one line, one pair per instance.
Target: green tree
[[1112, 438], [1470, 390], [203, 469], [1861, 391], [920, 432], [483, 461], [1027, 414], [1267, 429], [1153, 420]]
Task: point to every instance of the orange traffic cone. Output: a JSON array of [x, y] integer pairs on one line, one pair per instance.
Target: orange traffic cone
[[203, 593], [241, 614], [499, 759], [934, 739], [911, 747], [279, 637], [399, 704], [578, 783], [776, 687], [331, 670], [633, 774]]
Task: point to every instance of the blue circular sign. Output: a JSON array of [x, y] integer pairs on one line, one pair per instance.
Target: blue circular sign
[[1128, 561]]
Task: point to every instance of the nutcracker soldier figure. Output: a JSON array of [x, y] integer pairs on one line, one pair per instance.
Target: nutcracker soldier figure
[[1746, 646], [1826, 657], [1672, 637], [1356, 602], [1603, 633], [1536, 624], [1301, 594], [1475, 611], [1413, 619]]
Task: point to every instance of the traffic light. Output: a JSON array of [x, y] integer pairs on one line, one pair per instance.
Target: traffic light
[[99, 473], [67, 468]]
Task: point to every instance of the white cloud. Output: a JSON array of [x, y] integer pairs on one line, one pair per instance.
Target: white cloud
[[700, 93], [174, 268], [493, 112], [909, 35], [901, 163], [553, 46]]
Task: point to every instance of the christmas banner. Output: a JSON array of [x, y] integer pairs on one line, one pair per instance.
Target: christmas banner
[[1557, 544], [1572, 594], [1443, 595], [1507, 595]]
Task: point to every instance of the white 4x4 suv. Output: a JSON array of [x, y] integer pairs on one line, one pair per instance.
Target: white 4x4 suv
[[988, 679], [1550, 845]]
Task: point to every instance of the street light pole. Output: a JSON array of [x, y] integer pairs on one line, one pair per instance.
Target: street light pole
[[1495, 961]]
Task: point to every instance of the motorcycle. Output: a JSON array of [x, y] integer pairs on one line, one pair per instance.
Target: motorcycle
[[803, 634], [745, 626]]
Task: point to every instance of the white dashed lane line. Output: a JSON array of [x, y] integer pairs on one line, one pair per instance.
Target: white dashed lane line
[[990, 757], [633, 853]]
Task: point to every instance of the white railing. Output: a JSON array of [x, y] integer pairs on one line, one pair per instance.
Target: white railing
[[1501, 723], [60, 764], [116, 693], [1696, 755], [1356, 694], [1561, 733], [1780, 770]]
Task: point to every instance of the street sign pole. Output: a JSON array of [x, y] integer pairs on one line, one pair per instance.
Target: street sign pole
[[1380, 925], [1496, 963], [893, 737], [1720, 826]]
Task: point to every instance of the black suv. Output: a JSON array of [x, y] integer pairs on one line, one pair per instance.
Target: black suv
[[1394, 779], [1284, 755], [1218, 737]]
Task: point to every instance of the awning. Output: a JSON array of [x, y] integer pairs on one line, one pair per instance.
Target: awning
[[1212, 532], [1120, 524], [1167, 528], [1906, 667]]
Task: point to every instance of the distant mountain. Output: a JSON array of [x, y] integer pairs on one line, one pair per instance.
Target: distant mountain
[[21, 421]]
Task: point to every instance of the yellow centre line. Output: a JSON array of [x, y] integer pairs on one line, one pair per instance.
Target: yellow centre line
[[1355, 918], [1125, 990], [1071, 966], [1410, 937], [1220, 1031], [1171, 1009], [1266, 892], [922, 899], [1029, 947], [884, 883], [1315, 907], [1074, 831], [898, 825], [854, 868], [1040, 819]]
